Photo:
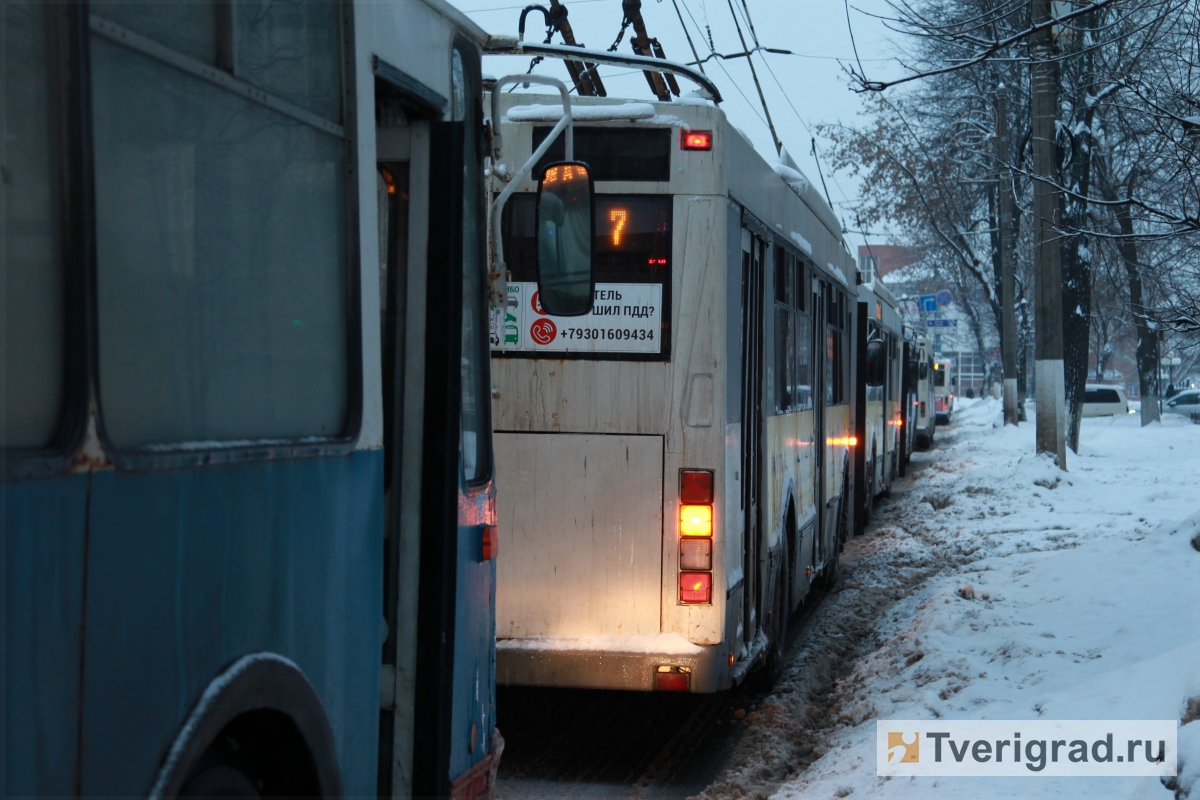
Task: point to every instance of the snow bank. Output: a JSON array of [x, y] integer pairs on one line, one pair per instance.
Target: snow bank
[[665, 643], [1059, 595], [1187, 783], [551, 113]]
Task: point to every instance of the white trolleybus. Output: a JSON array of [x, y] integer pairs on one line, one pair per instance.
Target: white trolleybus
[[878, 401], [673, 467], [922, 350]]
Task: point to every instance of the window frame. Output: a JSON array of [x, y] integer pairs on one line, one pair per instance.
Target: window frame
[[67, 35], [184, 453], [485, 448]]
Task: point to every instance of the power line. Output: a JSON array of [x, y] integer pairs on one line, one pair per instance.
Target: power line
[[749, 104]]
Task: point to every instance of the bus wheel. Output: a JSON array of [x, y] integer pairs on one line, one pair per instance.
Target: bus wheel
[[829, 575], [772, 669], [219, 781], [869, 500]]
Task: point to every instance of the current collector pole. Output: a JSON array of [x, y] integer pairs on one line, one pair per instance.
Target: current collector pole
[[1048, 339]]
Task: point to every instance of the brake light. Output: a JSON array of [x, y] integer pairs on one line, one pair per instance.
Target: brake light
[[695, 521], [695, 587], [697, 140], [696, 486]]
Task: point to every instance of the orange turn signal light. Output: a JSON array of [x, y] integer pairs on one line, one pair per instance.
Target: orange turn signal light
[[695, 521], [491, 542], [843, 441]]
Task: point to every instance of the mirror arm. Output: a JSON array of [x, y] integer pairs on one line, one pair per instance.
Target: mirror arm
[[497, 270]]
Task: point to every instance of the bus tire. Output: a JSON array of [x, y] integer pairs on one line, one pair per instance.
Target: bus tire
[[772, 668]]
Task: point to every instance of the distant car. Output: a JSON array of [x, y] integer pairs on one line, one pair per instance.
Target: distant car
[[1104, 401], [1186, 402]]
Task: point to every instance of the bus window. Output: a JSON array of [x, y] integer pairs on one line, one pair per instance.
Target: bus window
[[221, 249], [32, 313], [632, 262], [793, 333], [614, 154], [476, 391]]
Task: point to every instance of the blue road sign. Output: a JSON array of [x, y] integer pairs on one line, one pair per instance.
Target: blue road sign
[[942, 323], [928, 303], [944, 298]]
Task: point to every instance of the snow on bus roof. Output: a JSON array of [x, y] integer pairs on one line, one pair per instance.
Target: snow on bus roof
[[837, 273], [804, 244], [608, 111], [660, 643]]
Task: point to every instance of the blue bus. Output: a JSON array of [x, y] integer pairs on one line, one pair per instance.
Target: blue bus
[[249, 517]]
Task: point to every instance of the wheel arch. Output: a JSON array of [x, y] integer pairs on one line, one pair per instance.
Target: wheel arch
[[264, 694]]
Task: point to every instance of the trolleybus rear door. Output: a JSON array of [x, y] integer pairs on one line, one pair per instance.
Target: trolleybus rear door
[[752, 418]]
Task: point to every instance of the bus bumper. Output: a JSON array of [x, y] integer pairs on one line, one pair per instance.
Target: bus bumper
[[550, 661]]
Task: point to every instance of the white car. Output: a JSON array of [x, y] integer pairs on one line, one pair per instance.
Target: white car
[[1186, 402], [1104, 401]]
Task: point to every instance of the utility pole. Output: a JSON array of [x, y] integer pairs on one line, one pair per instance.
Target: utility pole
[[1048, 336], [1008, 306]]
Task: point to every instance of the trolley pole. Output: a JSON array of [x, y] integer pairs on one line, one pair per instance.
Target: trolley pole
[[1048, 336], [1008, 308]]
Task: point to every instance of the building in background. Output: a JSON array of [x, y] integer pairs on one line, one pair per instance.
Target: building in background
[[883, 259]]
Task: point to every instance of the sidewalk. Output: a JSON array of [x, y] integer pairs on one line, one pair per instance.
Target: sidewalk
[[1069, 595]]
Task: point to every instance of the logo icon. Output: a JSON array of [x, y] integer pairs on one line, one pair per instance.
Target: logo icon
[[903, 748], [536, 302], [543, 331]]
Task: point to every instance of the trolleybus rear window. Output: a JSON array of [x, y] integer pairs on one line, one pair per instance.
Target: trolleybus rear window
[[615, 154], [631, 313]]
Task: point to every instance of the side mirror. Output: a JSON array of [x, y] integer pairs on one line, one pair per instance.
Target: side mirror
[[565, 239], [875, 366], [924, 374]]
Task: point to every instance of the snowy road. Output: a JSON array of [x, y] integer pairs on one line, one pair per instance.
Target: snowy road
[[989, 586]]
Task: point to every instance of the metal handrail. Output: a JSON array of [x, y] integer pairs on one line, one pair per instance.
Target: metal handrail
[[508, 45]]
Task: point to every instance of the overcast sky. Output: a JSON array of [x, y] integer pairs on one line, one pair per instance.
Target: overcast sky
[[801, 90]]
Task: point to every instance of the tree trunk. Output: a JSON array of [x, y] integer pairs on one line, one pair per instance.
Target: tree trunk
[[1147, 355], [1076, 256]]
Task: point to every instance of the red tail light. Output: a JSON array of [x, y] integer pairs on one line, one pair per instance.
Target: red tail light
[[697, 140], [695, 587], [696, 487], [672, 679], [696, 493]]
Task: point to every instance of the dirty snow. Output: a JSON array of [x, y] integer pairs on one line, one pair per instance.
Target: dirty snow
[[995, 586]]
